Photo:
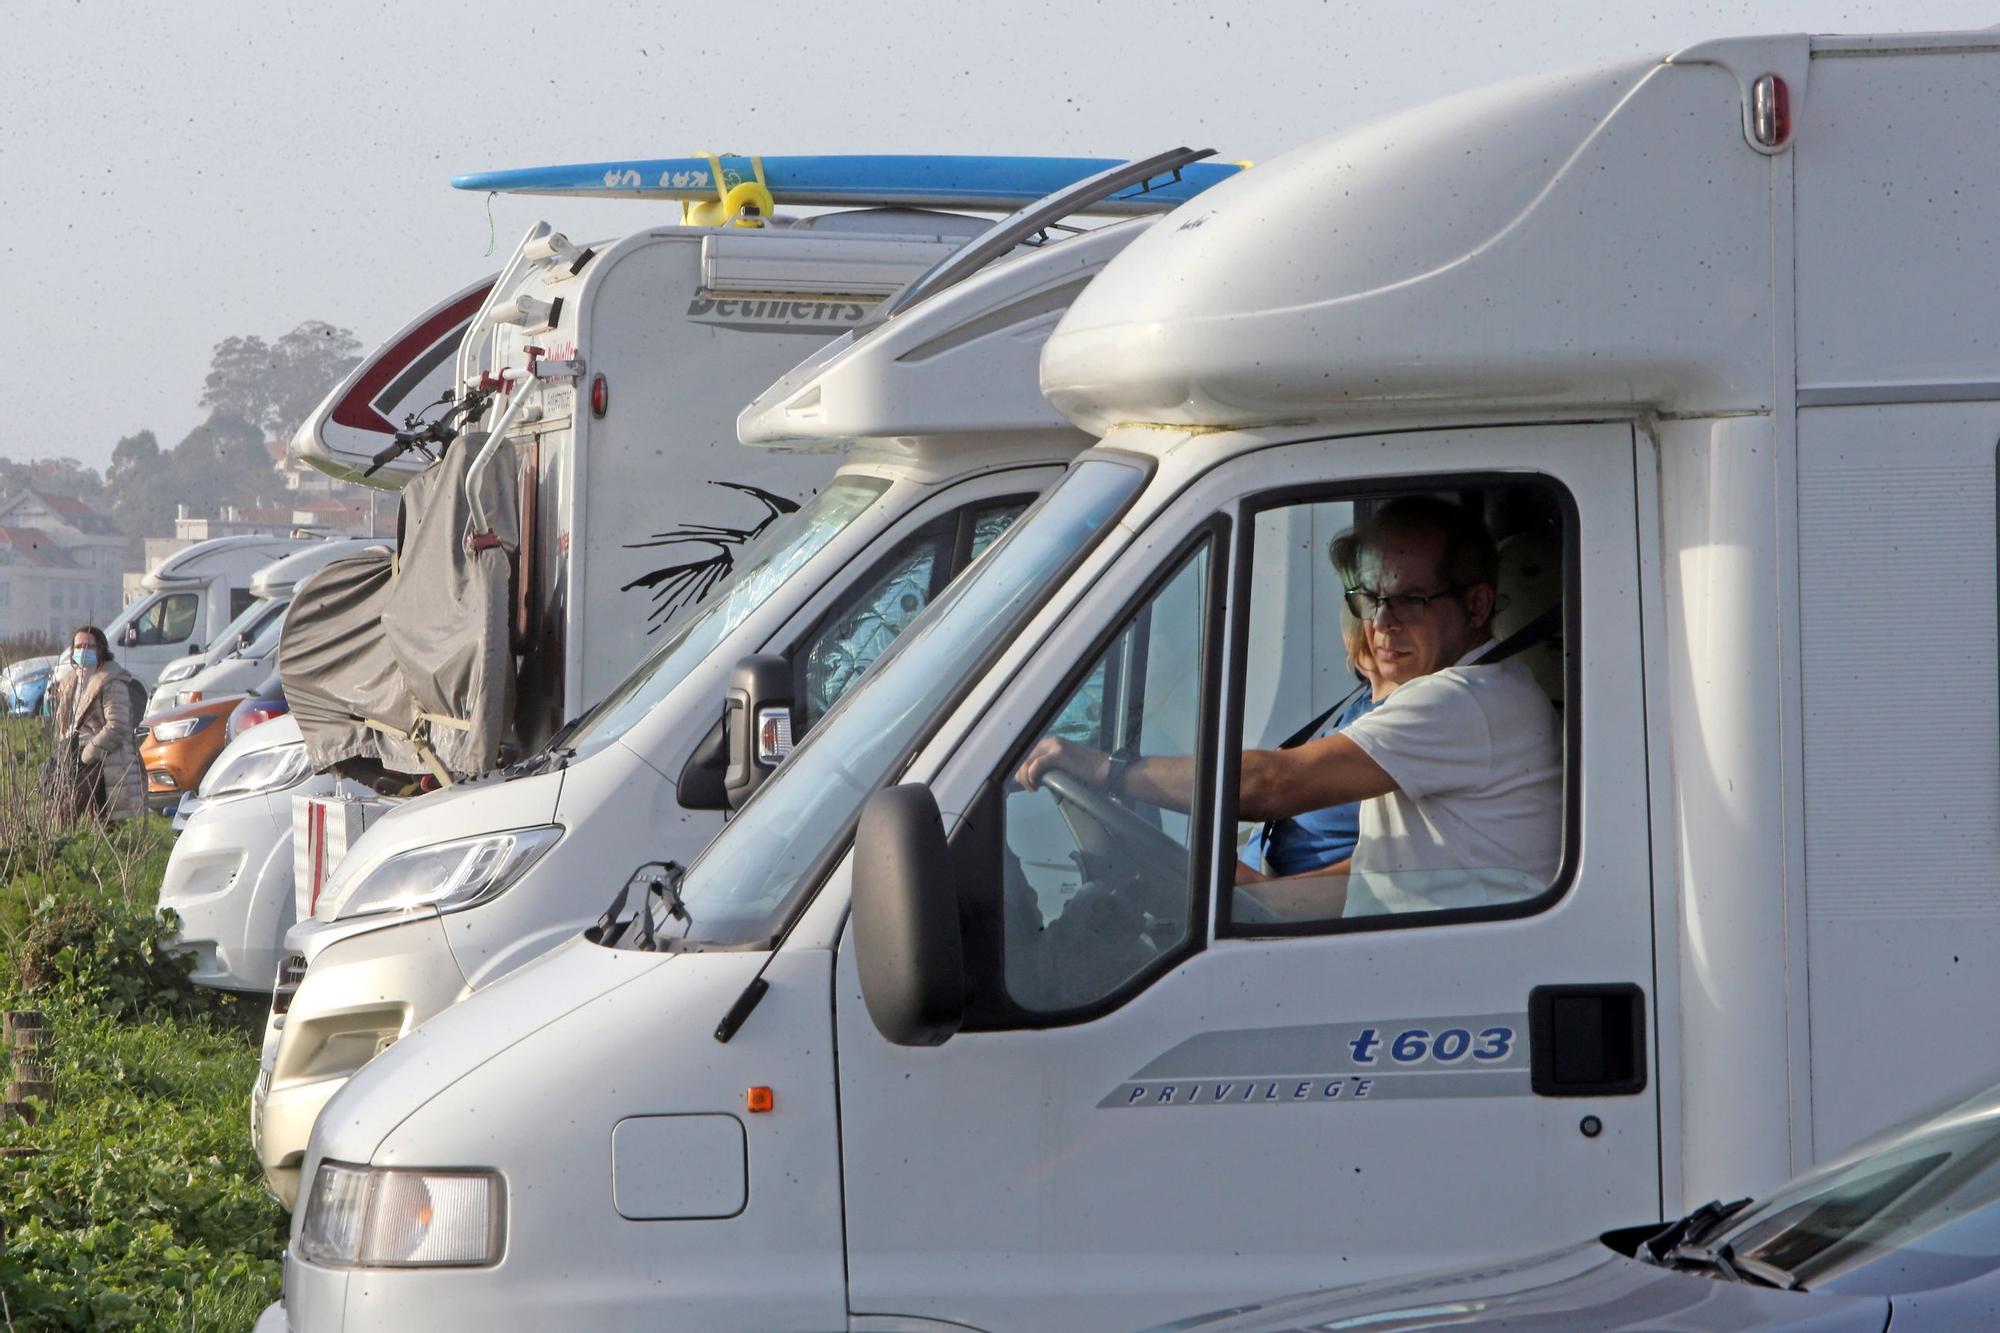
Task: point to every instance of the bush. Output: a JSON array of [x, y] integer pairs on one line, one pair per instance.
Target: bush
[[113, 956]]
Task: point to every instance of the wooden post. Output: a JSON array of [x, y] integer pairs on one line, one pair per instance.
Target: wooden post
[[27, 1037]]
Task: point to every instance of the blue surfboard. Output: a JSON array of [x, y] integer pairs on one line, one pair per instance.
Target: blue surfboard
[[847, 181]]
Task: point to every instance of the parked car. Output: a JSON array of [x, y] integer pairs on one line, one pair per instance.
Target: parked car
[[1902, 1232], [25, 683], [260, 705], [178, 745]]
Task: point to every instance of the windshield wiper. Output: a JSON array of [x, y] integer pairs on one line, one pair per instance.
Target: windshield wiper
[[1724, 1260], [1675, 1246], [664, 884], [1656, 1247], [661, 879]]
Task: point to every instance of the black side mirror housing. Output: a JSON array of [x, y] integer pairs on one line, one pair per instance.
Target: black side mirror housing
[[700, 787], [757, 721], [908, 942], [128, 636]]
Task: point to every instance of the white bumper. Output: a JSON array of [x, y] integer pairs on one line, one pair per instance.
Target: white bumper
[[360, 995], [229, 880]]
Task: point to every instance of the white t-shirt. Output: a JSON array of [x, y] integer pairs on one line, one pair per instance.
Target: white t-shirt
[[1476, 818]]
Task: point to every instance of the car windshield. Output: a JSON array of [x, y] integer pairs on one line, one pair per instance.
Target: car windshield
[[782, 551], [766, 858], [1914, 1209]]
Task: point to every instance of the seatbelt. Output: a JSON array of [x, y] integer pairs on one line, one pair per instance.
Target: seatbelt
[[1521, 639]]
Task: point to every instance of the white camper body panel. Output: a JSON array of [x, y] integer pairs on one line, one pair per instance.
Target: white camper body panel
[[1784, 751]]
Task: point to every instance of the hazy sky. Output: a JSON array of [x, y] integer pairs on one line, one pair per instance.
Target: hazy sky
[[174, 174]]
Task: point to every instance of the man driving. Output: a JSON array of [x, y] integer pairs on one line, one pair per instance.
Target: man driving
[[1458, 769]]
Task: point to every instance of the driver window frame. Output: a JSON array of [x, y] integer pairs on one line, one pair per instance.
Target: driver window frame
[[1228, 780], [978, 843]]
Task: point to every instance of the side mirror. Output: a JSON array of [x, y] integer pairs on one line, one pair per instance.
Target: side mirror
[[700, 787], [907, 940], [128, 636], [243, 643], [757, 720]]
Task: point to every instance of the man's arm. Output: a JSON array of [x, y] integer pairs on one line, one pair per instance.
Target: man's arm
[[1276, 784]]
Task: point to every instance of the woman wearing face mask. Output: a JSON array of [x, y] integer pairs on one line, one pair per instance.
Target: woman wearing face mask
[[97, 751]]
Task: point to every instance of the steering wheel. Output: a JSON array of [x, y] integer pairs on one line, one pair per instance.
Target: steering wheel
[[1111, 835]]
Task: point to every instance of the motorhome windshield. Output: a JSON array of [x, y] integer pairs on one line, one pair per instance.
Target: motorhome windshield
[[767, 858], [251, 621], [786, 547], [264, 637]]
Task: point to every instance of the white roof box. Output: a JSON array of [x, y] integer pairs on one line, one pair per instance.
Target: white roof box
[[1599, 236], [280, 577], [952, 368]]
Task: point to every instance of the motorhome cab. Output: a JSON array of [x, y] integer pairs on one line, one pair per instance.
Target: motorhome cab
[[944, 438], [1703, 344], [185, 604]]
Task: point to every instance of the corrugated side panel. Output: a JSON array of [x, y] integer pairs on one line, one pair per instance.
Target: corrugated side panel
[[1902, 757]]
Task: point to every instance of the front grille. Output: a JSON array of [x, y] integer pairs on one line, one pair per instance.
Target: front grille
[[290, 973]]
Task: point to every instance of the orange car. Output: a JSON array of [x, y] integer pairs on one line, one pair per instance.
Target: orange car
[[177, 745]]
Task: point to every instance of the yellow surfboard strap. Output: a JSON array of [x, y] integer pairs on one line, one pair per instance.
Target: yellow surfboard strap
[[744, 204]]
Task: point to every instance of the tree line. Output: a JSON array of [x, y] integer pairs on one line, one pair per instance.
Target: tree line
[[254, 391]]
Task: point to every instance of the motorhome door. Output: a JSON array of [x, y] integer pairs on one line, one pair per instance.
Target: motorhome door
[[1175, 1090]]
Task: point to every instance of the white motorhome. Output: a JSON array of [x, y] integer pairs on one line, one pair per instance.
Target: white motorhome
[[1717, 327], [245, 653], [598, 472], [188, 602], [943, 438]]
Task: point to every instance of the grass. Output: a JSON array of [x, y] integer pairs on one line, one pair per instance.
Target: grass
[[134, 1202]]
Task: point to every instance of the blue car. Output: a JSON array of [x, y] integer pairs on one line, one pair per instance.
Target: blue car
[[1901, 1233], [26, 685]]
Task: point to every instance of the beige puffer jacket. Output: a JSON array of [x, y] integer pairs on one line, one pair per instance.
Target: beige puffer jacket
[[97, 708]]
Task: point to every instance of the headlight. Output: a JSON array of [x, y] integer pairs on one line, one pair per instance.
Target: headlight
[[273, 769], [448, 874], [180, 728], [180, 670], [375, 1217]]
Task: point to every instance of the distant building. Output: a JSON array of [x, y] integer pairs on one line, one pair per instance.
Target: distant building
[[60, 560]]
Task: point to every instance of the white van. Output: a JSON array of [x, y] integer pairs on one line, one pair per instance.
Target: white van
[[246, 652], [944, 438], [195, 595], [1713, 332]]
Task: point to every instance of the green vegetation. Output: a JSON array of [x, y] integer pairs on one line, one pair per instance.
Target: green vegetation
[[134, 1202]]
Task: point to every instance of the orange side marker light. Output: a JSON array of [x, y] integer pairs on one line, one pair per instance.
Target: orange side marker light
[[758, 1100]]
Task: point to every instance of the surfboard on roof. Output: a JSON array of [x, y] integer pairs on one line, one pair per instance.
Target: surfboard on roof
[[848, 181]]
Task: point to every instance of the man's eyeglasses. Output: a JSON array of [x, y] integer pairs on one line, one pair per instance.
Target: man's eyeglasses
[[1368, 605]]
